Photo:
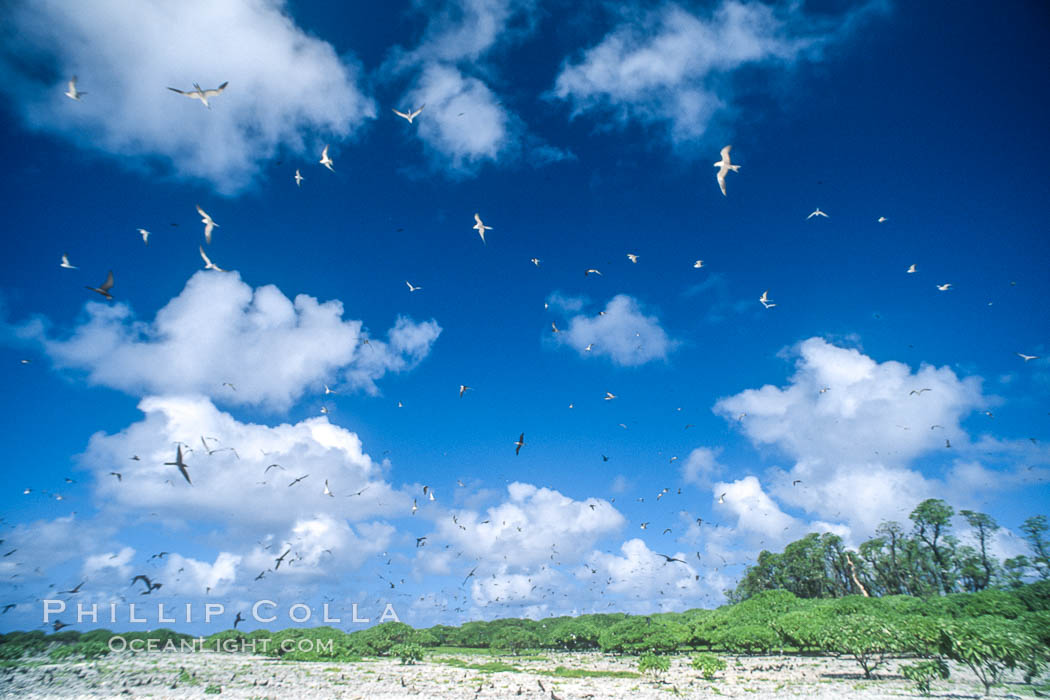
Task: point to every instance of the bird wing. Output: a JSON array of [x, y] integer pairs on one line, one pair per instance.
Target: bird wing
[[401, 114], [187, 94], [725, 153], [207, 263], [108, 284], [416, 113], [215, 91], [721, 177]]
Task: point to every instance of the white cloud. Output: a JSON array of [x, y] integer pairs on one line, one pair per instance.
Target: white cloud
[[623, 333], [866, 409], [270, 348], [646, 579], [465, 124], [534, 527], [109, 563], [226, 485], [755, 511], [701, 466], [185, 576], [673, 67], [853, 427], [37, 546], [283, 82]]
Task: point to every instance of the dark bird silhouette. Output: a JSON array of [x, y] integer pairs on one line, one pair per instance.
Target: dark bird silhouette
[[180, 464], [669, 559], [281, 558], [298, 480], [519, 444], [104, 288], [75, 589], [237, 620]]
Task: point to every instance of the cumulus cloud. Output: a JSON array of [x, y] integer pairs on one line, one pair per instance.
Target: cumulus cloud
[[701, 466], [854, 427], [109, 563], [313, 446], [284, 83], [465, 123], [623, 333], [533, 527], [670, 66], [645, 578], [755, 511], [219, 330]]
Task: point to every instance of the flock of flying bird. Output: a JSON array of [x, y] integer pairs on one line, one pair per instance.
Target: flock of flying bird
[[724, 165]]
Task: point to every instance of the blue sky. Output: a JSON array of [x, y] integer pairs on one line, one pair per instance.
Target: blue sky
[[580, 133]]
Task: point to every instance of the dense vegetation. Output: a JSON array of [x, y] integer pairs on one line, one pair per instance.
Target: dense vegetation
[[926, 561]]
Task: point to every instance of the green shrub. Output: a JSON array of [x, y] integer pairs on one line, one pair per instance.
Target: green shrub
[[925, 672], [91, 649], [212, 690], [990, 646], [749, 639], [408, 653], [653, 664], [869, 639], [61, 653], [708, 665]]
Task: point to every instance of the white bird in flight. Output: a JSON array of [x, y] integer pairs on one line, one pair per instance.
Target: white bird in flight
[[209, 224], [65, 263], [480, 227], [198, 94], [632, 257], [298, 178], [145, 235], [462, 389], [698, 264], [411, 115], [325, 160], [609, 396], [818, 212], [911, 269], [536, 262], [1026, 358], [72, 93], [412, 288], [765, 300], [208, 264], [944, 287], [724, 166], [591, 270], [882, 219]]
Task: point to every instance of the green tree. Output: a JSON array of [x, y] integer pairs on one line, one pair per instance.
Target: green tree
[[989, 646], [984, 527], [869, 639], [1035, 529], [933, 521]]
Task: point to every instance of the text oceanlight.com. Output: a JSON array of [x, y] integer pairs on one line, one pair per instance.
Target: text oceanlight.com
[[245, 646], [262, 611]]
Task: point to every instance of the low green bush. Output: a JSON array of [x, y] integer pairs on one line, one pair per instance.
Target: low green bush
[[708, 665], [923, 673]]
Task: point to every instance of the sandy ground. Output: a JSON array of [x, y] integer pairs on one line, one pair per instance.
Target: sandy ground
[[242, 676]]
